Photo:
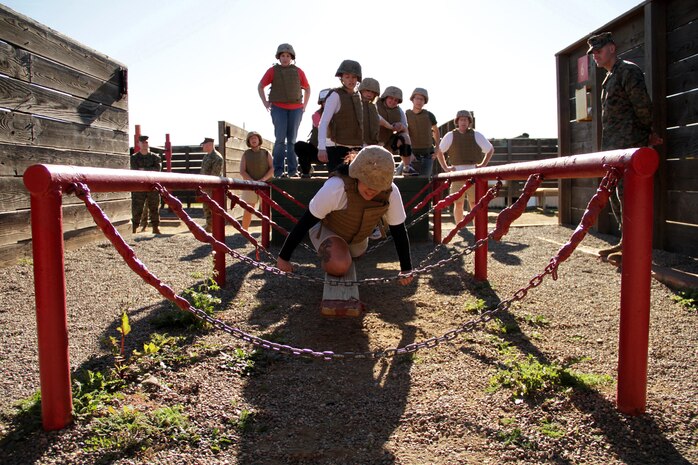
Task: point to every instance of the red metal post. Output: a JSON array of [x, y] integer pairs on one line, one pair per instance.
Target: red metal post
[[437, 213], [635, 282], [136, 136], [168, 153], [218, 228], [480, 232], [51, 311], [266, 227]]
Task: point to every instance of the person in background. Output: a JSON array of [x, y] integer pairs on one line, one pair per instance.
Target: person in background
[[341, 216], [394, 134], [145, 160], [256, 165], [466, 149], [211, 165], [370, 89], [307, 151], [626, 115], [288, 98], [424, 132], [341, 126]]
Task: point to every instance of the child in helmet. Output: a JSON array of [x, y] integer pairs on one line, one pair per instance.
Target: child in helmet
[[467, 149], [423, 131], [394, 134], [288, 97], [340, 218], [256, 165], [370, 89], [341, 126]]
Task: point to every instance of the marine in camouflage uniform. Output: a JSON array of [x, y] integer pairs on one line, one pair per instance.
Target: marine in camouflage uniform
[[626, 110], [145, 160], [212, 165]]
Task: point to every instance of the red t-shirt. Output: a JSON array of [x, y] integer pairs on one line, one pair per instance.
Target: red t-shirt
[[268, 78]]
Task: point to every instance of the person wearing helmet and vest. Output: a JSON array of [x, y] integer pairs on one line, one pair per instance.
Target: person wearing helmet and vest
[[288, 97], [394, 134], [256, 164], [423, 131], [307, 151], [466, 149], [370, 89], [341, 216], [342, 119]]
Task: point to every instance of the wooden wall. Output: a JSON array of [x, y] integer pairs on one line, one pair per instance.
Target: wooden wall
[[60, 102], [660, 37]]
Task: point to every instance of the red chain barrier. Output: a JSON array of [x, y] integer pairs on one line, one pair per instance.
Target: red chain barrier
[[288, 196], [482, 203], [515, 210], [276, 206], [416, 196], [433, 194], [235, 200], [448, 201], [594, 207]]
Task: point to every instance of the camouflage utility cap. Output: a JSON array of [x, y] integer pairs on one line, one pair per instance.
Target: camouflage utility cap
[[142, 138], [598, 41], [207, 140]]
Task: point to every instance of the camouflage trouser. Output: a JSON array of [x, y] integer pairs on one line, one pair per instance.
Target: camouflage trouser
[[616, 201], [138, 200]]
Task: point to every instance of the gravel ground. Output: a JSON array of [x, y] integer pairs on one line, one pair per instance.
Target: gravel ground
[[433, 407]]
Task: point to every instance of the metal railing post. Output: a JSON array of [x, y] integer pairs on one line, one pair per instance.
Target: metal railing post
[[218, 228], [633, 334], [51, 308], [480, 231]]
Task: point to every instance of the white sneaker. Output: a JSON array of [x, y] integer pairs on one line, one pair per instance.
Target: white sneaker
[[376, 234]]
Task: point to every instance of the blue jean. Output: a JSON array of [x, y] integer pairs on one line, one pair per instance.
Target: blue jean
[[286, 124]]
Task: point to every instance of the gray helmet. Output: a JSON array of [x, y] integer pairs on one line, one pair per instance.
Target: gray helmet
[[323, 95], [285, 48], [392, 91], [421, 91], [370, 84], [351, 67], [463, 114]]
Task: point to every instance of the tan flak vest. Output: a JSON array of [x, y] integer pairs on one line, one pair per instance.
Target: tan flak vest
[[346, 126], [420, 129], [464, 149], [256, 163], [357, 221], [286, 86], [371, 123], [391, 115]]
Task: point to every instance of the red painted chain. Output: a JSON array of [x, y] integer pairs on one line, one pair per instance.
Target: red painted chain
[[448, 201], [515, 210], [276, 206], [416, 196], [235, 200], [445, 185], [288, 196], [480, 205]]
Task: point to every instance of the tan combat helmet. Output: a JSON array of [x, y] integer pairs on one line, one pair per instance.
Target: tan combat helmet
[[392, 91], [351, 67], [285, 48], [370, 84], [421, 91]]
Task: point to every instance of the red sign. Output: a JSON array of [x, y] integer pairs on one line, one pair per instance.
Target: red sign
[[583, 68]]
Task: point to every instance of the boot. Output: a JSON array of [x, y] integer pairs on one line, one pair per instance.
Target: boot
[[604, 253], [156, 229], [134, 228]]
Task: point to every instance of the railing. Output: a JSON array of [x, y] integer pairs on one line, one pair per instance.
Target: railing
[[46, 184], [637, 167]]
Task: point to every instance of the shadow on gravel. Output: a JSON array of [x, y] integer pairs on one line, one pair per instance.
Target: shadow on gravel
[[341, 411]]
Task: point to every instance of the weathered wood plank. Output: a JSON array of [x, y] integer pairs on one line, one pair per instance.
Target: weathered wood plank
[[27, 67], [681, 238], [682, 109], [25, 33], [15, 128], [680, 12], [681, 207], [15, 159], [23, 97], [57, 134], [682, 76], [14, 196], [682, 42], [682, 142], [15, 226]]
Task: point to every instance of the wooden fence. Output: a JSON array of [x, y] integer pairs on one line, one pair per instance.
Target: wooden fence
[[60, 102], [660, 37]]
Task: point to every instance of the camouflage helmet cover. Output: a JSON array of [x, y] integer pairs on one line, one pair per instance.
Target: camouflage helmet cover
[[350, 67], [285, 48], [370, 84], [392, 91], [421, 91]]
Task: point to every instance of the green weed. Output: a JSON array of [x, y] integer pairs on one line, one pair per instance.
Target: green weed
[[551, 429], [687, 298], [94, 391], [536, 320], [475, 307], [515, 437]]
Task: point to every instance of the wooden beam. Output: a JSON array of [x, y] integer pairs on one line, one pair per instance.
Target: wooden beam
[[563, 133]]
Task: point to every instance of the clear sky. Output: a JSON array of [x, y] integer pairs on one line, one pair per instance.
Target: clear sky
[[193, 63]]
